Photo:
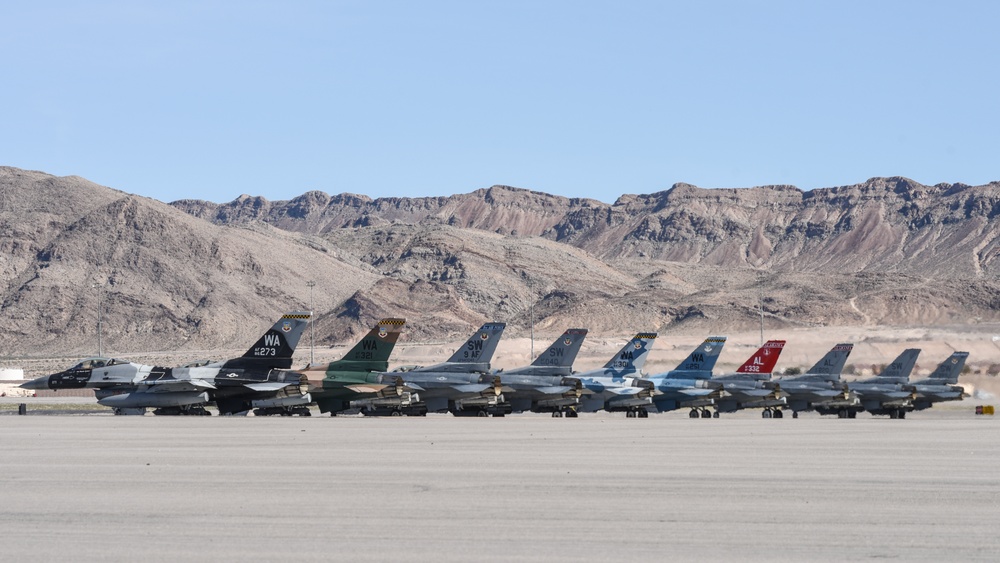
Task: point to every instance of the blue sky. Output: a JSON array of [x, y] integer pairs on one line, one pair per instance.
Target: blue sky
[[211, 100]]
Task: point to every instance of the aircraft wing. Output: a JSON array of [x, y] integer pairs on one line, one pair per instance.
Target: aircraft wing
[[176, 385], [625, 390], [270, 385], [693, 392], [555, 389]]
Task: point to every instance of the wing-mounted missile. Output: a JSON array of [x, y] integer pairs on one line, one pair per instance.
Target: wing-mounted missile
[[395, 396]]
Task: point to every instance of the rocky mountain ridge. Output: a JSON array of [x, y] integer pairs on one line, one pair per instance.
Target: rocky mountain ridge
[[198, 275], [884, 224]]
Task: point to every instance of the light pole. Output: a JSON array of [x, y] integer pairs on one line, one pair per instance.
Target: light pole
[[100, 318], [531, 329], [312, 322]]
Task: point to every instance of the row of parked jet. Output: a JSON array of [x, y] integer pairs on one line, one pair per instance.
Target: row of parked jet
[[262, 380]]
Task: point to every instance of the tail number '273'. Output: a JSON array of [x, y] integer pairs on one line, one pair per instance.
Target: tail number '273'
[[265, 351]]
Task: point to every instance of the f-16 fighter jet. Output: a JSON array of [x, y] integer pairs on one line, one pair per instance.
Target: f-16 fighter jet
[[820, 387], [463, 385], [744, 388], [335, 385], [545, 385], [941, 384], [131, 388], [686, 386], [613, 386], [886, 393]]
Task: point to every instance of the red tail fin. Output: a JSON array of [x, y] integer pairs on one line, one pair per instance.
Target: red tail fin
[[764, 359]]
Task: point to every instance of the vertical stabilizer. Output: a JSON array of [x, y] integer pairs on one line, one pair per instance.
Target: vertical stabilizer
[[479, 348], [632, 357], [764, 359], [901, 367], [372, 352], [562, 352], [833, 362], [703, 358], [948, 371], [278, 344]]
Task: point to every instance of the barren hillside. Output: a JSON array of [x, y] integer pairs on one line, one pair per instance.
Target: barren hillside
[[688, 261]]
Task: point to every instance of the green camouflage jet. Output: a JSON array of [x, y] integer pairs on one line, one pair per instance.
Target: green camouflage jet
[[348, 379]]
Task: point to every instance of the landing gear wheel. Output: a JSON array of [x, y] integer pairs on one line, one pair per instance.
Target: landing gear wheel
[[643, 413], [396, 413], [842, 413], [902, 414], [714, 414], [629, 414], [693, 414], [706, 414], [795, 414], [852, 414], [556, 414], [765, 414], [572, 414], [482, 414], [778, 413]]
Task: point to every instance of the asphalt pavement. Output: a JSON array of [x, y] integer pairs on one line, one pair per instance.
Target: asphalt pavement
[[527, 488]]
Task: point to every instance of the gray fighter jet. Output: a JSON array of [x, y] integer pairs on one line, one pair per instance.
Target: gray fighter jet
[[884, 394], [545, 386], [617, 387], [131, 388], [941, 384], [463, 385], [687, 386], [820, 387], [745, 388]]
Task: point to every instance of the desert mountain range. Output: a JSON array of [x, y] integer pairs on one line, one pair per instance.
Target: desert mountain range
[[195, 275]]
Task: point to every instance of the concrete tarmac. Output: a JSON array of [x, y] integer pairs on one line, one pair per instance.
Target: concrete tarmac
[[526, 488]]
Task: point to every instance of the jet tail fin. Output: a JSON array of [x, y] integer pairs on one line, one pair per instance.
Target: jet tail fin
[[948, 371], [633, 356], [479, 348], [762, 361], [278, 344], [562, 352], [703, 357], [901, 367], [834, 360], [372, 352]]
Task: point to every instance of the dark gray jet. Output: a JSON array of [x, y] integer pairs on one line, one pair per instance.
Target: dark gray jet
[[820, 387], [941, 384], [885, 394], [546, 385], [131, 388]]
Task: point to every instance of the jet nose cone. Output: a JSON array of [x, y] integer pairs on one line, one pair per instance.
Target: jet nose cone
[[39, 383]]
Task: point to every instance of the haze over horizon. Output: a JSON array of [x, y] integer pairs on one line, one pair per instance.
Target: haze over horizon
[[211, 100]]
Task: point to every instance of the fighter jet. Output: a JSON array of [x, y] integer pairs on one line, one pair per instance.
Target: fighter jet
[[544, 386], [941, 384], [613, 387], [463, 385], [884, 394], [820, 387], [339, 382], [686, 386], [130, 388], [744, 389]]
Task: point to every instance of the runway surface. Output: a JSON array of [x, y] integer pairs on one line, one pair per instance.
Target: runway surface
[[529, 488]]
